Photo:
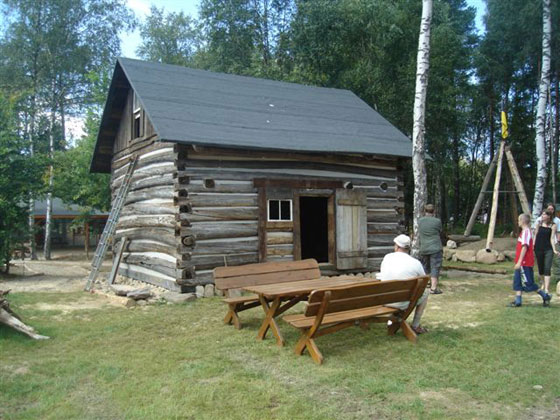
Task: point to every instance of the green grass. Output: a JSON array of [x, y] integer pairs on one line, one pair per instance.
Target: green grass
[[480, 360]]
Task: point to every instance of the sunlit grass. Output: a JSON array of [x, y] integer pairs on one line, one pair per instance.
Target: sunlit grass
[[480, 360]]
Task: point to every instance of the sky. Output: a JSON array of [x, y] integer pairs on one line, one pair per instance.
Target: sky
[[141, 8]]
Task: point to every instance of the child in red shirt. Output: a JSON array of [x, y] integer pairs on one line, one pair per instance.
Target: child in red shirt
[[523, 278]]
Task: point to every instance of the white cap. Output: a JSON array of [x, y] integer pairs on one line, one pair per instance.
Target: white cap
[[402, 241]]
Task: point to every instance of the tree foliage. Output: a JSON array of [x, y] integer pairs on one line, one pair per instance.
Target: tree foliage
[[171, 38], [58, 55], [19, 174]]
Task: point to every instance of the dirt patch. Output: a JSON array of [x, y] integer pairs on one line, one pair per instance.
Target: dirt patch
[[15, 370], [68, 307], [453, 402], [49, 276]]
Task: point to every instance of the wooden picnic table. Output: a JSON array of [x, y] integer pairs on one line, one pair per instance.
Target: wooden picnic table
[[276, 298]]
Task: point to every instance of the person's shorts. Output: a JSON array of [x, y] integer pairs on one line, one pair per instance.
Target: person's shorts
[[524, 281], [432, 263], [544, 261]]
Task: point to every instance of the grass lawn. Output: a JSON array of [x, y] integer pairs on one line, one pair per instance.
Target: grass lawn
[[479, 360]]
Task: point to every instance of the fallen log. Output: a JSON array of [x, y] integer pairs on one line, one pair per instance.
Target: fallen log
[[462, 238], [475, 269], [9, 318]]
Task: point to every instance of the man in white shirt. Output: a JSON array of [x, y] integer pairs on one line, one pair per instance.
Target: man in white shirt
[[399, 265]]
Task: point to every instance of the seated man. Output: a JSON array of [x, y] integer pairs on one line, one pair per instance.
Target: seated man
[[399, 265]]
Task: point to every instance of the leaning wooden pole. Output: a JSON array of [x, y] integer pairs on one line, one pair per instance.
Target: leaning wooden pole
[[495, 198], [517, 181], [480, 198]]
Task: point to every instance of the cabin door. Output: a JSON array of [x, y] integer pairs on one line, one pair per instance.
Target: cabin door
[[351, 229], [313, 219]]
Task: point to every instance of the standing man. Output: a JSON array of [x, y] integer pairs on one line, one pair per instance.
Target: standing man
[[431, 249]]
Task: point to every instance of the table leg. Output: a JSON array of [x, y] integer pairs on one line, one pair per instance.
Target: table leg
[[269, 321]]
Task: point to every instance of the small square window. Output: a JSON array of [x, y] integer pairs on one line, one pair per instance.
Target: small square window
[[279, 210]]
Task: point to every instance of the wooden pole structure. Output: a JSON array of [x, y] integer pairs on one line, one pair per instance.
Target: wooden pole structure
[[495, 197], [480, 196], [513, 205], [517, 181]]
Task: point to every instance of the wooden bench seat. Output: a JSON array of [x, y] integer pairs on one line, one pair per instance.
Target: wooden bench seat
[[241, 299], [302, 321], [332, 310], [238, 277]]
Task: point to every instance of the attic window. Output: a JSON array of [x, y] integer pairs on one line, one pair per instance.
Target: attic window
[[279, 210], [136, 125], [136, 118]]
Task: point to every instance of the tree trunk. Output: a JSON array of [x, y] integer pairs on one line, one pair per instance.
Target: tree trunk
[[556, 138], [541, 112], [418, 143], [48, 217], [492, 128], [86, 239], [456, 179], [31, 199]]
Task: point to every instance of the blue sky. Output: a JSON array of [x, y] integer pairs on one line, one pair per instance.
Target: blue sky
[[141, 8]]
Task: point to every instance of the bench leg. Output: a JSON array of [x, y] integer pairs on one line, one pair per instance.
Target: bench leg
[[269, 321], [308, 343], [314, 351], [232, 316], [408, 332], [406, 329], [300, 346]]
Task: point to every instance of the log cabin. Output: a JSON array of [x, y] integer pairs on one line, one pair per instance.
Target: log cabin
[[234, 170]]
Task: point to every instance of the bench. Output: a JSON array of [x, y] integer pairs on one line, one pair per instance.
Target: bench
[[332, 310], [238, 277]]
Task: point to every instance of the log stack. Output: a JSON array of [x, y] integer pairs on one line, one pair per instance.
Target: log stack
[[8, 317]]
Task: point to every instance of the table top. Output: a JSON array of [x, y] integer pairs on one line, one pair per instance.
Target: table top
[[301, 287]]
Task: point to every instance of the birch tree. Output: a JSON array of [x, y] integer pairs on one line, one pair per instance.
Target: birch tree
[[418, 129], [541, 112]]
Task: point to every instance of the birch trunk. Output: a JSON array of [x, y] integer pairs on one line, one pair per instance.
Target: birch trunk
[[541, 112], [418, 142], [31, 199], [555, 139], [48, 216]]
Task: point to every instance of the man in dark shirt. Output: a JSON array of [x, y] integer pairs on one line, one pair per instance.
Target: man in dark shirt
[[431, 250]]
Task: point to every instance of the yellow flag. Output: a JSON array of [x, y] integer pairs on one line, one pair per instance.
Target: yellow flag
[[504, 126]]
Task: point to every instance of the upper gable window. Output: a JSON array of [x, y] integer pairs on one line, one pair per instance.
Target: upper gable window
[[136, 118]]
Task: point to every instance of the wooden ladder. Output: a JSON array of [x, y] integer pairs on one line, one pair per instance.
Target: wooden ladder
[[109, 231]]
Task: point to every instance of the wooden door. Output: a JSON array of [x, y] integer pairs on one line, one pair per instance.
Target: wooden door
[[351, 229]]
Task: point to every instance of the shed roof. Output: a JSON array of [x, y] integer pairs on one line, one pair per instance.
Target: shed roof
[[214, 109], [60, 208]]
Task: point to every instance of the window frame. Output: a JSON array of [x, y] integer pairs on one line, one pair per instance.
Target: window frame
[[136, 115], [279, 210]]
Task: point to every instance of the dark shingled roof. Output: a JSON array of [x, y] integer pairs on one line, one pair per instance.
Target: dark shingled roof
[[214, 109]]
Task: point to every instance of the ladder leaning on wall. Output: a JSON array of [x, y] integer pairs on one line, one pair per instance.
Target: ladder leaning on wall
[[109, 231]]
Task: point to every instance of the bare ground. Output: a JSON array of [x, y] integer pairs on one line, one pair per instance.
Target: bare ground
[[500, 244]]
